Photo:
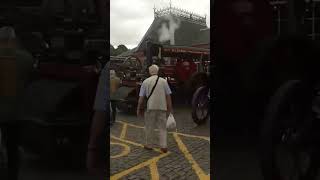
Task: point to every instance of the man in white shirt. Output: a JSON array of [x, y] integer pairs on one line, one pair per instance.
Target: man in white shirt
[[159, 106]]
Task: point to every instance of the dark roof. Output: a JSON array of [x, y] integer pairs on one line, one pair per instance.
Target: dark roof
[[188, 34], [203, 37]]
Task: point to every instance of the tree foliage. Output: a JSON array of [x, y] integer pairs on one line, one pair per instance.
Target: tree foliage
[[119, 50]]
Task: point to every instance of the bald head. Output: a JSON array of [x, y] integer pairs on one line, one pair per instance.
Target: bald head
[[153, 69]]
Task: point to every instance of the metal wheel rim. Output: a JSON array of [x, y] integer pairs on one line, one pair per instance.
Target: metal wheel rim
[[202, 111]]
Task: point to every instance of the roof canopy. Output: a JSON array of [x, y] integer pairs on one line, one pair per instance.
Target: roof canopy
[[190, 28]]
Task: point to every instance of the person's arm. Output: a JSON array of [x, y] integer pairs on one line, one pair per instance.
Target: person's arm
[[100, 106], [139, 107], [169, 104], [98, 131], [168, 98]]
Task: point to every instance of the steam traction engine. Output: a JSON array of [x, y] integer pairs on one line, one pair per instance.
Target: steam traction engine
[[185, 69]]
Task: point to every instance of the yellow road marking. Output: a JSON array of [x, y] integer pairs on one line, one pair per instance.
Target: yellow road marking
[[192, 136], [126, 150], [139, 166], [133, 143], [154, 171], [123, 131], [182, 134], [127, 141], [132, 125], [152, 162], [189, 157]]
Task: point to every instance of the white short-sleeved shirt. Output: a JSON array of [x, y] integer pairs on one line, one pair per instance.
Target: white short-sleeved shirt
[[157, 101]]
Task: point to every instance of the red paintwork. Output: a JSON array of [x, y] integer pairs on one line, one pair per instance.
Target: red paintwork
[[185, 69], [168, 70], [184, 50]]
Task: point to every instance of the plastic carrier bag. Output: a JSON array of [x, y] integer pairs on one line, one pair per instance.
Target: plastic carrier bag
[[171, 123]]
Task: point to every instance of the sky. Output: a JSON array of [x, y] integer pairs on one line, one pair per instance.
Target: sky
[[130, 19]]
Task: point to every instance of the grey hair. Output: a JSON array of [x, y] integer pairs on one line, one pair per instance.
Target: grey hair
[[153, 69], [7, 33]]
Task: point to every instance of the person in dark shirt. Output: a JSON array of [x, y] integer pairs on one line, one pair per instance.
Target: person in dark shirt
[[96, 160]]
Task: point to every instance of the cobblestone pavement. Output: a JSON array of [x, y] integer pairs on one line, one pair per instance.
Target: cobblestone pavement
[[188, 156]]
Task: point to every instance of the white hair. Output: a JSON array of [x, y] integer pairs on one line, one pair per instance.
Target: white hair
[[153, 69]]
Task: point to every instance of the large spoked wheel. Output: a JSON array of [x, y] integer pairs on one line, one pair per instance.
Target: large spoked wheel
[[200, 105], [285, 151]]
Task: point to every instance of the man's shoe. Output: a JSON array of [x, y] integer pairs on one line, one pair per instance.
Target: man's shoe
[[164, 150], [147, 148]]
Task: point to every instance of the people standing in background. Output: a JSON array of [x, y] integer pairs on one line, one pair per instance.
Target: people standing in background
[[96, 156]]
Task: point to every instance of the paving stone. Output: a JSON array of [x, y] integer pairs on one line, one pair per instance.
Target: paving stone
[[200, 151], [116, 129], [173, 166]]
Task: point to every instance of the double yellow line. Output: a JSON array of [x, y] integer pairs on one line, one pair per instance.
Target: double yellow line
[[152, 163]]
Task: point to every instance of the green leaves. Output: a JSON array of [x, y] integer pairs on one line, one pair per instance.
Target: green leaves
[[119, 50]]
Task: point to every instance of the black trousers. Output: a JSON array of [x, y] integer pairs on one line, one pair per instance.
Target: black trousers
[[10, 134]]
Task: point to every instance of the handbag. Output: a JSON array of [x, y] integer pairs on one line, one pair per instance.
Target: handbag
[[146, 101]]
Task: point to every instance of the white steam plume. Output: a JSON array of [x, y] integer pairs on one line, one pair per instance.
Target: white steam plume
[[166, 32]]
